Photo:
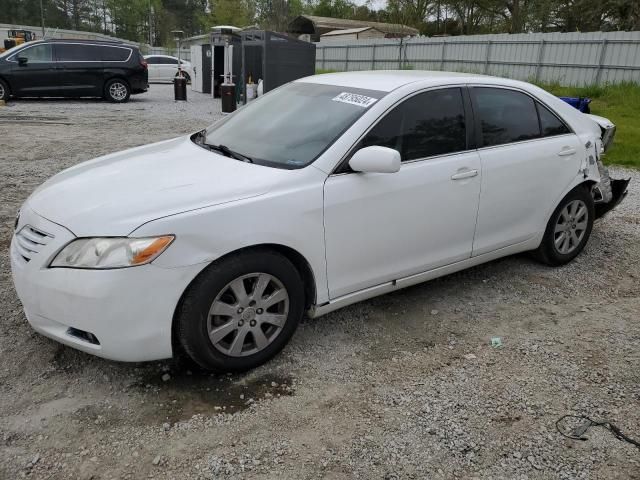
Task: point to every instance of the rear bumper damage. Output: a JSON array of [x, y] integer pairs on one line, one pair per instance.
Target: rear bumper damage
[[608, 193], [618, 192]]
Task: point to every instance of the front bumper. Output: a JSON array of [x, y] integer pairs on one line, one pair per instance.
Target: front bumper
[[128, 312]]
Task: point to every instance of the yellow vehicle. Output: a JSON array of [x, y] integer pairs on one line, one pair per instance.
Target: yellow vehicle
[[17, 37]]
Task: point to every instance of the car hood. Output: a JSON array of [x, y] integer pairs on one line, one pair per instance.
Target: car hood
[[115, 194]]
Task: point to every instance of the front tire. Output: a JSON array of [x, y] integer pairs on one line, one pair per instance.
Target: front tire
[[117, 91], [241, 312], [4, 91], [568, 229]]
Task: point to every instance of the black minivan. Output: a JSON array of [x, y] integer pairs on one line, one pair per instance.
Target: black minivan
[[73, 68]]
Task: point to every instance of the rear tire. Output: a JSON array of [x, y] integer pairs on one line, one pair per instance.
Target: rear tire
[[568, 229], [240, 312], [117, 90], [4, 91]]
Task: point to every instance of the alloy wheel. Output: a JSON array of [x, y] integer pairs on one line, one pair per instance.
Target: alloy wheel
[[248, 314], [118, 91], [2, 91], [571, 226]]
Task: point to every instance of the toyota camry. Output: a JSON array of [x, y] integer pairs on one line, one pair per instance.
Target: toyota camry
[[327, 191]]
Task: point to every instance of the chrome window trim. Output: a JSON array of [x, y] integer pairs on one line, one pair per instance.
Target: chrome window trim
[[534, 98], [519, 142], [55, 60], [460, 86], [95, 61]]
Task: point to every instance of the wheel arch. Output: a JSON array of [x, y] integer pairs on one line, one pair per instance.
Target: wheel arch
[[7, 83], [587, 184], [296, 258], [115, 77]]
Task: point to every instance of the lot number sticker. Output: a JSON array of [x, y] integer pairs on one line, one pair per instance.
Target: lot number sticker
[[355, 99]]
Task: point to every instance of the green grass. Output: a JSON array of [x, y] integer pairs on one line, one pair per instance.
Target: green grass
[[620, 103]]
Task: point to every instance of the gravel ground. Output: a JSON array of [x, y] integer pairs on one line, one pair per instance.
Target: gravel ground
[[402, 386]]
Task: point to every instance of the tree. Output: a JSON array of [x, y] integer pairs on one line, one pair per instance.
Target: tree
[[276, 14], [140, 20], [333, 8]]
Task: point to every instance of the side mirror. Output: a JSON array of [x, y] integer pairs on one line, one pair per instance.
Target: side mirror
[[22, 61], [375, 159]]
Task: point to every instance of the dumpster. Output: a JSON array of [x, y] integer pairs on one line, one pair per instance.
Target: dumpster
[[274, 58], [581, 103]]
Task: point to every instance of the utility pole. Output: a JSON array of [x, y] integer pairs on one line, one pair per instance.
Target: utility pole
[[150, 27], [42, 16]]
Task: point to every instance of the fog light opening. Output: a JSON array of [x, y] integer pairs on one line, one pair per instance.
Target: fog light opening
[[82, 335]]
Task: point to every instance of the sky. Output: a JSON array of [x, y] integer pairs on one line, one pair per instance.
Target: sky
[[375, 4]]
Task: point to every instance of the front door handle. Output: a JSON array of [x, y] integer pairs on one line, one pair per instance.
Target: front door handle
[[465, 174], [566, 151]]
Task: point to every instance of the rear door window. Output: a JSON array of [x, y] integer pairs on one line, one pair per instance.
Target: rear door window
[[425, 125], [76, 52], [115, 54], [506, 116], [168, 61], [549, 123]]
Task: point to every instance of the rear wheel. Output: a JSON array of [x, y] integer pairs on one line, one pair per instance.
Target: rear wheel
[[241, 312], [117, 91], [568, 229], [4, 91]]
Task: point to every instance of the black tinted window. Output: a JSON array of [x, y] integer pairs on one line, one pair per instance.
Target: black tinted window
[[168, 61], [75, 52], [152, 60], [506, 116], [114, 54], [428, 124], [36, 54], [549, 123]]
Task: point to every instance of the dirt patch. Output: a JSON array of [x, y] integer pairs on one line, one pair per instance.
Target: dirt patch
[[181, 394]]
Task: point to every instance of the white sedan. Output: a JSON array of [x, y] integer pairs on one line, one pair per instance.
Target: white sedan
[[164, 68], [325, 192]]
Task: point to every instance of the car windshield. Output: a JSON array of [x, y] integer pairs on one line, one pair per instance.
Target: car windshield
[[291, 126]]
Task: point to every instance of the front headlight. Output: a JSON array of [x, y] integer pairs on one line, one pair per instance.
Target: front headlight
[[114, 252]]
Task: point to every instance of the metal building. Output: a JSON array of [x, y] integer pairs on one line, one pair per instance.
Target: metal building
[[275, 58]]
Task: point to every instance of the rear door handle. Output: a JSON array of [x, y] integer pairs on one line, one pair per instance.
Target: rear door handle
[[465, 174], [566, 151]]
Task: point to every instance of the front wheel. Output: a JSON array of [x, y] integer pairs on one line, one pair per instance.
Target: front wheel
[[4, 91], [117, 91], [241, 312], [568, 229]]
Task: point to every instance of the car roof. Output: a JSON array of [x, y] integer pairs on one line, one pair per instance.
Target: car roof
[[114, 43], [388, 80], [165, 56]]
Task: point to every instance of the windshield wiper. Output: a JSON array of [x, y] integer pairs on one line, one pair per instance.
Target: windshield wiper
[[230, 153]]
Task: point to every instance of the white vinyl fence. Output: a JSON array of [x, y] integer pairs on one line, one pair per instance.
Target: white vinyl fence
[[569, 58]]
